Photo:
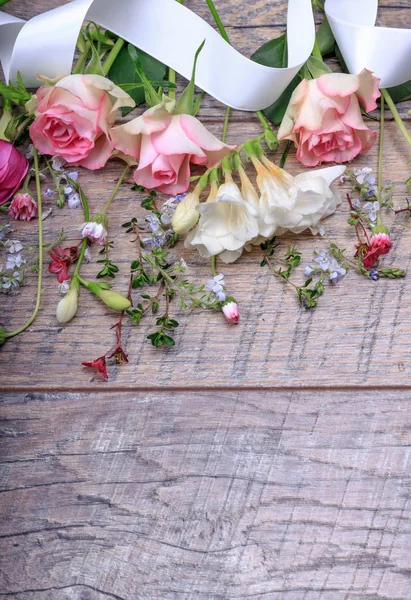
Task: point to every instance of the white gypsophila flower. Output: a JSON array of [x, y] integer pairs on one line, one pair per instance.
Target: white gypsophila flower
[[64, 287], [14, 260], [13, 246], [295, 203], [57, 163], [73, 201], [226, 224]]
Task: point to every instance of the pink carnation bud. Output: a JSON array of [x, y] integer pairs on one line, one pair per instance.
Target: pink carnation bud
[[230, 310], [95, 232], [23, 207], [380, 244]]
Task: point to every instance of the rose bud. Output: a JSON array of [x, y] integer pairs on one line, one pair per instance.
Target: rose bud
[[95, 232], [23, 207], [230, 310]]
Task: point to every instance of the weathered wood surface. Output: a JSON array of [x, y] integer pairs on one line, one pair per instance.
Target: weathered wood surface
[[277, 343], [160, 496], [145, 489]]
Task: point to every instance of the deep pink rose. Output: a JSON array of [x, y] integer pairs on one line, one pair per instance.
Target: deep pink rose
[[23, 207], [74, 117], [324, 117], [380, 244], [165, 144], [13, 169]]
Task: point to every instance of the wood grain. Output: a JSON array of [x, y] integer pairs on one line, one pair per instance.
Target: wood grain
[[277, 343], [288, 495]]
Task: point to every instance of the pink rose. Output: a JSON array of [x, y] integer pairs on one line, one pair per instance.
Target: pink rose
[[23, 207], [74, 117], [324, 117], [165, 144], [13, 169]]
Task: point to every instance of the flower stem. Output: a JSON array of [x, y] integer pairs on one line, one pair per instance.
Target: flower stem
[[40, 262], [172, 73], [83, 247], [214, 265], [381, 151], [78, 67], [112, 55], [114, 192], [217, 20], [396, 115], [225, 126]]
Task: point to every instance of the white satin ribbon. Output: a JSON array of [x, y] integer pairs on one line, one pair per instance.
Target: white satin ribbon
[[164, 29], [385, 51]]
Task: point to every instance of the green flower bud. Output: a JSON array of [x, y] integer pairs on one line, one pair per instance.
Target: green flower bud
[[67, 307], [271, 139], [114, 300], [186, 215]]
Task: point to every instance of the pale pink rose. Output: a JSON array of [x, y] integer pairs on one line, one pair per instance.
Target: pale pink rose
[[231, 311], [23, 207], [95, 232], [165, 144], [324, 117], [74, 118]]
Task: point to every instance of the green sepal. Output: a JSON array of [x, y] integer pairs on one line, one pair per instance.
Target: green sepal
[[187, 104], [152, 96]]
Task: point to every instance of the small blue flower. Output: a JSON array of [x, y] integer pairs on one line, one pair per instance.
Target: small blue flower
[[372, 208], [374, 274]]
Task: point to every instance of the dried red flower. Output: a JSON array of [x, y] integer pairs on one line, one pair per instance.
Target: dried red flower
[[99, 364], [380, 244], [62, 258], [119, 355], [23, 207]]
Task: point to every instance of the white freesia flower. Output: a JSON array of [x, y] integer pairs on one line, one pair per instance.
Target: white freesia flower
[[294, 203], [226, 224]]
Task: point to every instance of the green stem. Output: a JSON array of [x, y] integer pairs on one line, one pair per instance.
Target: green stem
[[380, 152], [225, 126], [114, 192], [263, 120], [78, 67], [40, 262], [217, 20], [214, 265], [83, 247], [396, 115], [172, 73], [114, 52], [172, 80]]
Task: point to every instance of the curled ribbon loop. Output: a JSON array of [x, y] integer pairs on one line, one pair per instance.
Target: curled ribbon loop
[[164, 29], [385, 51]]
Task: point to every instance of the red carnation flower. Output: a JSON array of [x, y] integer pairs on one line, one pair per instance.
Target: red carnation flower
[[62, 258], [380, 244]]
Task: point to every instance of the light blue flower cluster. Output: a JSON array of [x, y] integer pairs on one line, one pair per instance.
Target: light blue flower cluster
[[11, 274], [326, 264], [159, 226]]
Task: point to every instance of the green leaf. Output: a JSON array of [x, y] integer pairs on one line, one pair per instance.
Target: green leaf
[[3, 2], [325, 38], [400, 93], [274, 54], [123, 71], [317, 67]]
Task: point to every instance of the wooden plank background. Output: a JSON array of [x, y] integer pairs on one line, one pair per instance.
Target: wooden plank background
[[268, 460]]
